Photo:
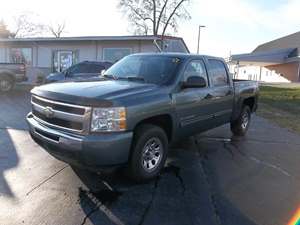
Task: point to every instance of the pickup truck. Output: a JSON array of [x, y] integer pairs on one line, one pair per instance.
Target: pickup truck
[[141, 104], [11, 73]]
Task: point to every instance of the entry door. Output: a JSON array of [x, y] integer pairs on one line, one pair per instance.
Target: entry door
[[65, 59], [193, 105], [62, 60]]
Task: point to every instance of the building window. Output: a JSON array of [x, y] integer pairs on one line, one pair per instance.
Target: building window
[[115, 54], [21, 55], [63, 59]]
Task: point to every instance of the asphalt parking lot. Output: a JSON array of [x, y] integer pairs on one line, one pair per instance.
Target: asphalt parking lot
[[210, 179]]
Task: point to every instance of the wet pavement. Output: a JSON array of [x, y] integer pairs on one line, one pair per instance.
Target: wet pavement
[[209, 179]]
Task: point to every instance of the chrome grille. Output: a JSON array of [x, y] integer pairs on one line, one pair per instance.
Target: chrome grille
[[61, 115]]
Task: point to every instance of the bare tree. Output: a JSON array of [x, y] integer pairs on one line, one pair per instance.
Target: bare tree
[[155, 16], [57, 29], [25, 27]]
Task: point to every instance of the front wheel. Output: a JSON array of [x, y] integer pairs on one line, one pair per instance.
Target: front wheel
[[240, 126], [6, 84], [149, 152]]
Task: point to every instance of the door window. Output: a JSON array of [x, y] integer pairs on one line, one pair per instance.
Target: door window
[[62, 60], [95, 68], [195, 68], [79, 68], [218, 73]]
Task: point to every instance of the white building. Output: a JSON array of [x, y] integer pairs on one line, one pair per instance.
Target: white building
[[45, 55]]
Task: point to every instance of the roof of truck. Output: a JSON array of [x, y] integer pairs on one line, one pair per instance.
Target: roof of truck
[[177, 54]]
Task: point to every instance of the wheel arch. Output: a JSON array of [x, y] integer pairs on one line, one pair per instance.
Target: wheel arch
[[164, 121]]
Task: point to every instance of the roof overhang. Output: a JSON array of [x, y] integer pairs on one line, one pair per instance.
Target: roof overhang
[[264, 58]]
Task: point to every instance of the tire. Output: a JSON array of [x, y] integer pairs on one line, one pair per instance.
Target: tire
[[6, 83], [240, 126], [148, 153]]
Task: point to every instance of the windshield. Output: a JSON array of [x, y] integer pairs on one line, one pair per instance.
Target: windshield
[[156, 69]]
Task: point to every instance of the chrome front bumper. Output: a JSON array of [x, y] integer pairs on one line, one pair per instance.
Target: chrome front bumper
[[92, 150]]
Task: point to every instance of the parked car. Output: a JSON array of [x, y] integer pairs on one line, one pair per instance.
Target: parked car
[[140, 105], [10, 74], [82, 70]]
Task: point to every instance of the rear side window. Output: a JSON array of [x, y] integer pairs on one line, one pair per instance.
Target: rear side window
[[95, 68], [79, 68], [218, 72]]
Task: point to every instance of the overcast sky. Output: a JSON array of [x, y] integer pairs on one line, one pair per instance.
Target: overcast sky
[[235, 26]]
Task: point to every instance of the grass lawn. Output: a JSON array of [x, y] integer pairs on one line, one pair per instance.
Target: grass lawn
[[281, 105]]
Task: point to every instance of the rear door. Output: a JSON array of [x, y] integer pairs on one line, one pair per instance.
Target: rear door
[[193, 105], [222, 93]]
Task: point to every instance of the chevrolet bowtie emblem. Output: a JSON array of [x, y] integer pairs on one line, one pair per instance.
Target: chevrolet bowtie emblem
[[48, 112]]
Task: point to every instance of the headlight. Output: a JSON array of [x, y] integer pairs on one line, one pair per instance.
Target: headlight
[[108, 119]]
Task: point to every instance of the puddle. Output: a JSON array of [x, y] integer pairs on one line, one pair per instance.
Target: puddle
[[171, 169], [105, 196]]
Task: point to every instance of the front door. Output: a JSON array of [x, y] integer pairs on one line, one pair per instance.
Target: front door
[[62, 60], [193, 105]]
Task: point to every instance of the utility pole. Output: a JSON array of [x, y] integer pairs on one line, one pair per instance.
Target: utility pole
[[200, 26]]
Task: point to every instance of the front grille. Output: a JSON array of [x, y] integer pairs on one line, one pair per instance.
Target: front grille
[[61, 115], [57, 121], [64, 108]]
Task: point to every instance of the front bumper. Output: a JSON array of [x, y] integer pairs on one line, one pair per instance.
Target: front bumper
[[91, 151]]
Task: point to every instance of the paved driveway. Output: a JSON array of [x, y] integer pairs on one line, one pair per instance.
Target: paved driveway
[[210, 179]]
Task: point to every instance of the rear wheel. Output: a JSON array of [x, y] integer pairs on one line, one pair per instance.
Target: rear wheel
[[240, 126], [6, 84], [149, 152]]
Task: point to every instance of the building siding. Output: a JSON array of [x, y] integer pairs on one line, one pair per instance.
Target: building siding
[[86, 50], [288, 70]]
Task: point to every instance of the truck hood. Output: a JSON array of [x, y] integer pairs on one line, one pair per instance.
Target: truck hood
[[92, 93]]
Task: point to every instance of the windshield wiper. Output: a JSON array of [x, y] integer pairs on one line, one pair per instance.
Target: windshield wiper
[[110, 76]]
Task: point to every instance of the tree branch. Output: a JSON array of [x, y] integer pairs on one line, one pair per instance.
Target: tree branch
[[154, 17], [171, 15], [161, 14], [138, 14]]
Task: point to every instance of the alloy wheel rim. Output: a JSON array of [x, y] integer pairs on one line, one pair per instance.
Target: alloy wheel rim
[[245, 120], [152, 154], [5, 85]]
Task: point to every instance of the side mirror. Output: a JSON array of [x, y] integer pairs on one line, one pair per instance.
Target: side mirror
[[194, 82]]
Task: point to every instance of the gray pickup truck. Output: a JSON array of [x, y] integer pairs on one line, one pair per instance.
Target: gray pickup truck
[[140, 105], [10, 74]]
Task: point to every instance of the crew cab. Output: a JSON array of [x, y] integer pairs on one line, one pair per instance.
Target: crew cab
[[142, 103], [10, 74]]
